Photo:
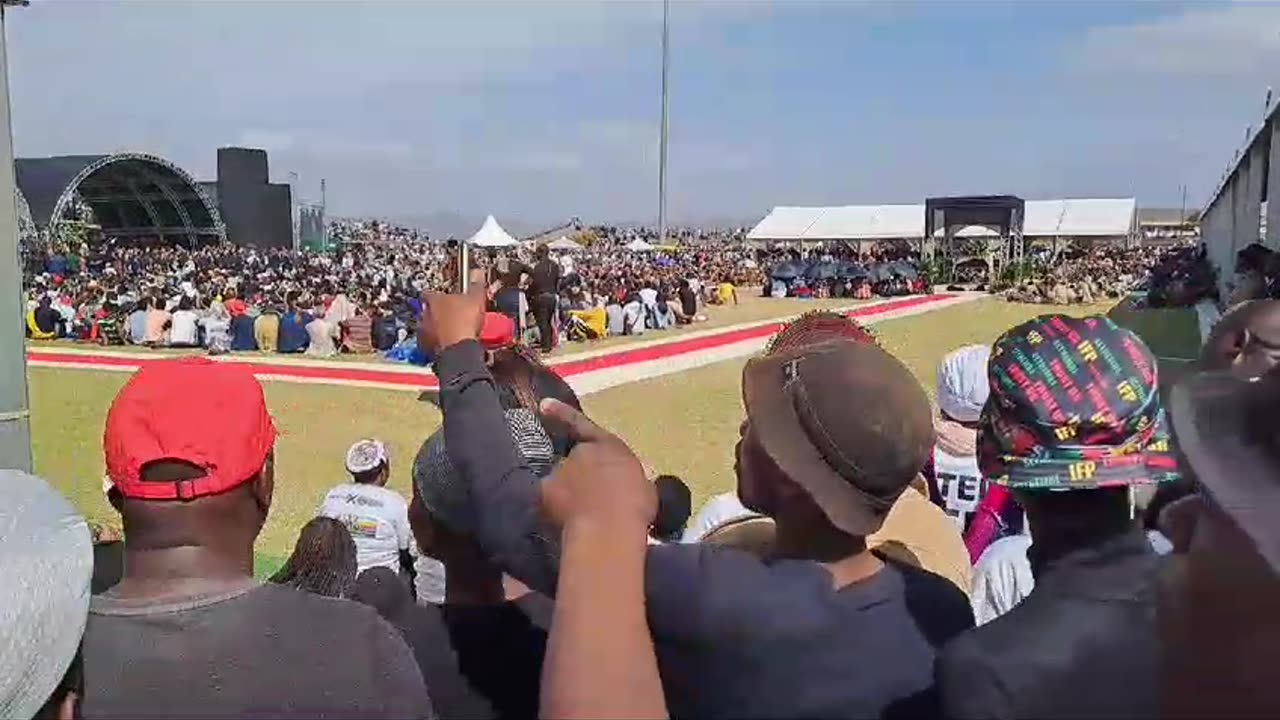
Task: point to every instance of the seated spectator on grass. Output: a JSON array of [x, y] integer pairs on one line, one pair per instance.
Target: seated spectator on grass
[[358, 333], [293, 331], [138, 321], [45, 322], [189, 446], [375, 515], [184, 331], [320, 337], [47, 565], [242, 335], [1089, 622], [736, 635], [423, 629], [674, 507], [217, 329], [266, 330], [157, 330], [323, 561]]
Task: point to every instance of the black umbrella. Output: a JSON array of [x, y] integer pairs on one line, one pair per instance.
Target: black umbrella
[[822, 271], [879, 272], [851, 271], [786, 271], [905, 269]]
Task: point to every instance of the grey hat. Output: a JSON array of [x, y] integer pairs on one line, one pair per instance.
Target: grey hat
[[442, 490], [47, 565]]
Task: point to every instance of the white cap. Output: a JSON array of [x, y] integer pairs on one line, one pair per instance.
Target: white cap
[[47, 565], [962, 382], [365, 455]]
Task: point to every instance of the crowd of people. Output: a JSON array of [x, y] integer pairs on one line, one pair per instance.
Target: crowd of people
[[1090, 275], [1054, 538], [362, 298]]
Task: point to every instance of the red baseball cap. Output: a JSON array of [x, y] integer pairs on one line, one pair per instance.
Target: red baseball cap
[[212, 415]]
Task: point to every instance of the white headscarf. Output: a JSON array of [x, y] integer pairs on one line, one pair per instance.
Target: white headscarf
[[962, 382], [46, 560]]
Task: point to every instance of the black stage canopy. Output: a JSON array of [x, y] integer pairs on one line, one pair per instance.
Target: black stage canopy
[[130, 195]]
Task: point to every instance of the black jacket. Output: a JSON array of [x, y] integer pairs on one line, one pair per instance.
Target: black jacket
[[1082, 644]]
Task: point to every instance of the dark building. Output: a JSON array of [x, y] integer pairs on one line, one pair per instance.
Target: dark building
[[256, 212]]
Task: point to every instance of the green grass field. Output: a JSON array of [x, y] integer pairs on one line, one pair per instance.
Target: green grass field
[[685, 424]]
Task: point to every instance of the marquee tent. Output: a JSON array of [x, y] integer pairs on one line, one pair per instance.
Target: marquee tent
[[563, 243], [1101, 217], [639, 245], [491, 234]]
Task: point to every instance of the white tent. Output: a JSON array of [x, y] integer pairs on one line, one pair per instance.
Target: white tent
[[639, 245], [563, 243], [1076, 217], [491, 234]]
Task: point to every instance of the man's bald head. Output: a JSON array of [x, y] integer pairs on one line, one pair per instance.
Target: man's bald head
[[1246, 340]]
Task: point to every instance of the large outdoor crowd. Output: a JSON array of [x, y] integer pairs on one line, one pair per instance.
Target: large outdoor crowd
[[1056, 537], [365, 296]]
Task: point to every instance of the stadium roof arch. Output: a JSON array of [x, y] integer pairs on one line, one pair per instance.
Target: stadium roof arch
[[130, 195]]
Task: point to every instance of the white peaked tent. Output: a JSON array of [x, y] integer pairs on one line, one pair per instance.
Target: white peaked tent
[[491, 234], [639, 245], [563, 243]]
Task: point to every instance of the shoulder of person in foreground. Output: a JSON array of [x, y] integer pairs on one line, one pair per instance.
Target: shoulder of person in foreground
[[941, 609], [968, 686], [394, 683]]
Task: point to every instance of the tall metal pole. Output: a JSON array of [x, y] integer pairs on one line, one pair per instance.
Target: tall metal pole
[[662, 139], [15, 424]]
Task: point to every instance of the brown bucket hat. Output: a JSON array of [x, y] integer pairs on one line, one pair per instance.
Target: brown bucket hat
[[846, 421], [1227, 429]]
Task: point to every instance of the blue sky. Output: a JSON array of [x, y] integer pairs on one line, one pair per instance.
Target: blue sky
[[537, 111]]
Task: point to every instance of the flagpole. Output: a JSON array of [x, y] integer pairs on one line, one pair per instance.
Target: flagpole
[[662, 138]]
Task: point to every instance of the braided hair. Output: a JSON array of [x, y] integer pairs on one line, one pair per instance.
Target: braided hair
[[523, 381], [819, 326], [323, 562]]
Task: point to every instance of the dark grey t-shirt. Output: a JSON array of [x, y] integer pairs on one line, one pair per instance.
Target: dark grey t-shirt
[[262, 651]]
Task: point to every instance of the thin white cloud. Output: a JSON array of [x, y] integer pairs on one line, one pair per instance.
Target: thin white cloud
[[1227, 40]]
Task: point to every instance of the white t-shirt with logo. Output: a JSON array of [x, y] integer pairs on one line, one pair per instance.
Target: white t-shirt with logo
[[378, 520], [960, 483]]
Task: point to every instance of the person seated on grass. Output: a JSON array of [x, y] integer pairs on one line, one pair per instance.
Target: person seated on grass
[[323, 561], [43, 321], [138, 321], [158, 321], [242, 331], [184, 330], [188, 631], [736, 635], [374, 514], [217, 329], [357, 332], [266, 329], [293, 330]]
